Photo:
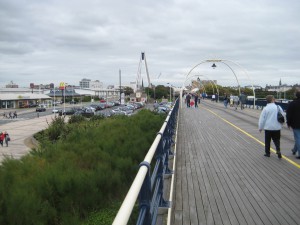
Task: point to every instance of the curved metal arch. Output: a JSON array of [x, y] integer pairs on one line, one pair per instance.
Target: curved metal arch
[[239, 86], [221, 61], [200, 82], [224, 62], [247, 77], [211, 82]]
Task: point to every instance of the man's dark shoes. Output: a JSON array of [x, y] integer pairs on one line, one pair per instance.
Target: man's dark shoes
[[279, 155], [294, 153], [267, 155]]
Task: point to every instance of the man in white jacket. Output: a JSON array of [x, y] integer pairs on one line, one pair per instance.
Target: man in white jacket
[[268, 122]]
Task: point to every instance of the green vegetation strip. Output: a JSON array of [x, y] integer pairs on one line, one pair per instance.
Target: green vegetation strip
[[80, 172]]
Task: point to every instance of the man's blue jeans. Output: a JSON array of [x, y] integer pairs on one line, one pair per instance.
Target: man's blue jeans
[[297, 141]]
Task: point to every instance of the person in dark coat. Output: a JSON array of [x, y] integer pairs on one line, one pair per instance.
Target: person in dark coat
[[196, 100], [293, 121], [243, 99], [188, 100]]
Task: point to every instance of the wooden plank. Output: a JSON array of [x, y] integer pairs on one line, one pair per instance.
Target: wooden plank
[[224, 177]]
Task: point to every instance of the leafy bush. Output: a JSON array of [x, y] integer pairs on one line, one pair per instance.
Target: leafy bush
[[79, 168]]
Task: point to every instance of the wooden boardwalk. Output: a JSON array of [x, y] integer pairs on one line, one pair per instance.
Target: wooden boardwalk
[[222, 176]]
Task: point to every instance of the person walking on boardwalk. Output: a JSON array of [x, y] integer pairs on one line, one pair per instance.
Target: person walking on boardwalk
[[242, 100], [6, 138], [188, 100], [235, 102], [1, 138], [225, 100], [231, 101], [269, 123], [293, 121], [196, 100], [213, 97]]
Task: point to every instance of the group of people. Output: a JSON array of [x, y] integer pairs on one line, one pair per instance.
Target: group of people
[[4, 138], [10, 115], [235, 101], [192, 100], [268, 122]]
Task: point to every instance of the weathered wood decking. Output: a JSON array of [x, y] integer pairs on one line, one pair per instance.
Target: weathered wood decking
[[222, 176]]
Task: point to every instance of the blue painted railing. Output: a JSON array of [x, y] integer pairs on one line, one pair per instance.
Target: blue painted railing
[[260, 104], [148, 184]]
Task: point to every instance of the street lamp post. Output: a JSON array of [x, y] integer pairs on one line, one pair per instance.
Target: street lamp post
[[170, 93], [120, 84]]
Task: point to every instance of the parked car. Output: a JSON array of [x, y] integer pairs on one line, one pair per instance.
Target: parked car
[[40, 109], [118, 111], [97, 107], [87, 112], [67, 112], [126, 110], [32, 105], [56, 110]]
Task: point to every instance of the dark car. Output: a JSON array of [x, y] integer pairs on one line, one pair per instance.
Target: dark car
[[66, 112], [85, 112], [32, 105], [40, 109]]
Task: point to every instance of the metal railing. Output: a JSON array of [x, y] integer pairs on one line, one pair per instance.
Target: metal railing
[[148, 184]]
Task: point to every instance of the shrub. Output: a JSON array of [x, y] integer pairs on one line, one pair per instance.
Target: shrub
[[79, 168]]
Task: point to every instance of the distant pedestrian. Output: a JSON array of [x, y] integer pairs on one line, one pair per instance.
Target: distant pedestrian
[[1, 138], [243, 99], [225, 100], [15, 114], [196, 100], [231, 101], [6, 138], [38, 115], [236, 102], [269, 123], [10, 115], [188, 100], [293, 121], [213, 97]]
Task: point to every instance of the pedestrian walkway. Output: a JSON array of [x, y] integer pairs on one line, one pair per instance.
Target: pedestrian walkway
[[21, 132], [221, 175]]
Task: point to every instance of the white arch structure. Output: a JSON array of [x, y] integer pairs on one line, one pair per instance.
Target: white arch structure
[[232, 70], [212, 83], [198, 75]]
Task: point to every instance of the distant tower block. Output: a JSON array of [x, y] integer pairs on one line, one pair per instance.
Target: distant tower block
[[139, 73]]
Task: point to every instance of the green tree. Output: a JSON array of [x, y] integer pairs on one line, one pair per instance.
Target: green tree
[[127, 90], [162, 91]]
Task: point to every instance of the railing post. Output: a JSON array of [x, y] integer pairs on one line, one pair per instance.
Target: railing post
[[145, 198], [163, 157]]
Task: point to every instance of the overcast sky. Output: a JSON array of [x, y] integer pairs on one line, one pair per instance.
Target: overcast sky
[[50, 41]]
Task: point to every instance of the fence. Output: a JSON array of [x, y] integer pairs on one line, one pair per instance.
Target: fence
[[148, 184], [260, 104]]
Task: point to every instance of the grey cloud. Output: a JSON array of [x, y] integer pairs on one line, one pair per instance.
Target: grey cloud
[[93, 39]]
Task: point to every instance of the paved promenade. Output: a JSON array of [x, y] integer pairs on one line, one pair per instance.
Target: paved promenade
[[21, 131], [222, 176]]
